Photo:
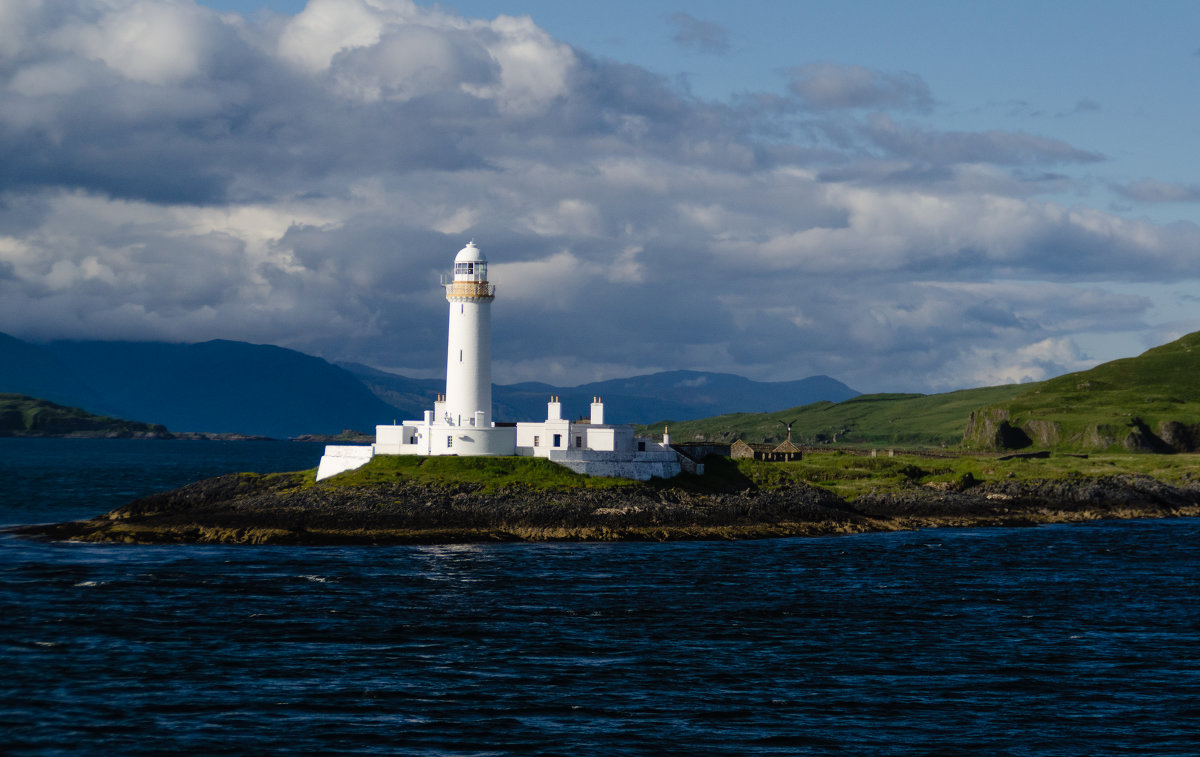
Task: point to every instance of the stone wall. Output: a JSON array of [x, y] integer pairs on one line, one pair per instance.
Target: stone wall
[[658, 462]]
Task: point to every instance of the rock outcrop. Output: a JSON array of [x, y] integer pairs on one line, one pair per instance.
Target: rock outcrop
[[285, 509], [994, 428], [990, 429]]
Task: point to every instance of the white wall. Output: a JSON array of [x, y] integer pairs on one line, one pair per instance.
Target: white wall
[[458, 440], [655, 462], [469, 361], [544, 433], [341, 458], [408, 438]]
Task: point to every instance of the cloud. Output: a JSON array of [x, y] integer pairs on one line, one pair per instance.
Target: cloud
[[305, 181], [1002, 147], [829, 86], [1149, 190], [702, 36], [1083, 105]]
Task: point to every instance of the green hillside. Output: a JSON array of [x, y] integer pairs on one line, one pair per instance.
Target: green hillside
[[1149, 403], [901, 420], [21, 415]]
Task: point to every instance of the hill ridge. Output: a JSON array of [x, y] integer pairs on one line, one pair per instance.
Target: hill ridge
[[1149, 403]]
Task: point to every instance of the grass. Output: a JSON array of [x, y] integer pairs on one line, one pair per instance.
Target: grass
[[491, 472], [1096, 409], [894, 420], [849, 475], [1093, 410], [845, 474]]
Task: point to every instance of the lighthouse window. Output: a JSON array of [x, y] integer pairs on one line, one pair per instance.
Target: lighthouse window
[[476, 270], [460, 356]]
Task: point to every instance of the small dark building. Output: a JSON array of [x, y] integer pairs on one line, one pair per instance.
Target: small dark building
[[768, 452]]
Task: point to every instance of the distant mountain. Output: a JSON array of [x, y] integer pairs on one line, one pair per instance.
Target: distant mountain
[[34, 371], [696, 394], [234, 387], [670, 395], [408, 397], [217, 386]]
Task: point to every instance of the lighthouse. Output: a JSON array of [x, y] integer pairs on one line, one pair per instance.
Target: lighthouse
[[469, 344], [460, 422]]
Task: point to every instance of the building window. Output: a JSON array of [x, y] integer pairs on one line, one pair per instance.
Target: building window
[[412, 440], [579, 441], [449, 441], [537, 440], [558, 440], [641, 446]]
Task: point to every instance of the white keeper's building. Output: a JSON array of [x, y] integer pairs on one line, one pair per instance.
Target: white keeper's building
[[460, 422]]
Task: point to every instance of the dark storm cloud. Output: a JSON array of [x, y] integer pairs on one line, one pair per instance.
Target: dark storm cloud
[[704, 36], [829, 86]]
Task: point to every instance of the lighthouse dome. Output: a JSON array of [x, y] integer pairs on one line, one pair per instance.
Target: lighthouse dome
[[470, 254], [470, 264]]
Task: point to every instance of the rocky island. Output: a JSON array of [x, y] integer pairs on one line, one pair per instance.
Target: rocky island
[[397, 500]]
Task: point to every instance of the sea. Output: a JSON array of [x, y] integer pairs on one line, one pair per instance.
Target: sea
[[1078, 639]]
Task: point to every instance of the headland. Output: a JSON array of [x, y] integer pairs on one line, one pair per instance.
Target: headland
[[414, 500]]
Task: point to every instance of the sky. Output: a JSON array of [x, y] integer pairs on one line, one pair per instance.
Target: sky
[[921, 196]]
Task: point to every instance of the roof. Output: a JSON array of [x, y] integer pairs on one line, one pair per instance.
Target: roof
[[470, 254], [756, 447]]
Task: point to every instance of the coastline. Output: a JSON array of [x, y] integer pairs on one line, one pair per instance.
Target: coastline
[[287, 509]]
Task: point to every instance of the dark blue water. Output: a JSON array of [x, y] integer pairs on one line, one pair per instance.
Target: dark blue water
[[1063, 640]]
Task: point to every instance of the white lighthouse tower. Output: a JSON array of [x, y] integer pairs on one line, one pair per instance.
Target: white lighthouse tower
[[469, 345]]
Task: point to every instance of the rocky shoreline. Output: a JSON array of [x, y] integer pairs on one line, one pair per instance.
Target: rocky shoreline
[[284, 509]]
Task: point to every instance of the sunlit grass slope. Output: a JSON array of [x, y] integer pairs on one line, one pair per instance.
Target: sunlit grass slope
[[1095, 409], [850, 475], [916, 420], [1101, 406], [490, 472]]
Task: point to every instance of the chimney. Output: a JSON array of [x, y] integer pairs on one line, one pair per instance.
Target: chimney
[[597, 411]]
